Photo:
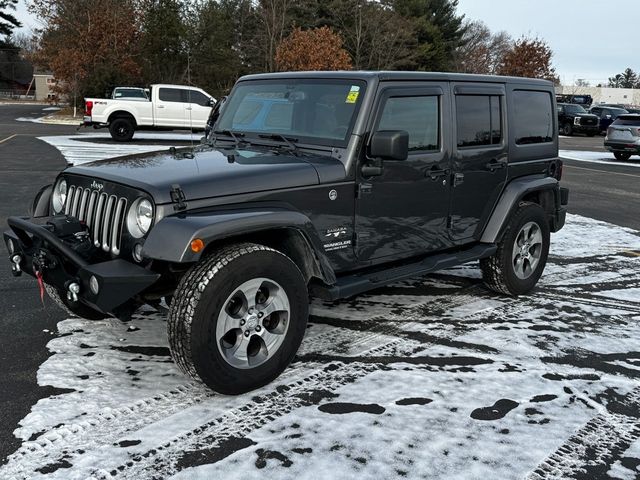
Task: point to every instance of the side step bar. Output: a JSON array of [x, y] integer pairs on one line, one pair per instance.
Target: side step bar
[[360, 282]]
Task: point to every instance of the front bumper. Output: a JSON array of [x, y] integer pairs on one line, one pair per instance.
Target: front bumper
[[586, 129], [34, 248]]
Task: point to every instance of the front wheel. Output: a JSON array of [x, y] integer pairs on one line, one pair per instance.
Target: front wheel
[[522, 253], [238, 318], [622, 156], [567, 129]]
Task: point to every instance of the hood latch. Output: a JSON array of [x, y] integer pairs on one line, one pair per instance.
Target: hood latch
[[177, 197]]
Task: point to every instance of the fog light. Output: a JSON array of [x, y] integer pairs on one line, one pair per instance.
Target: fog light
[[137, 252], [11, 246], [93, 285]]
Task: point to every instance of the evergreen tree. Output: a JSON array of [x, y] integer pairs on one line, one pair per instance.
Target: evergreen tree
[[8, 21]]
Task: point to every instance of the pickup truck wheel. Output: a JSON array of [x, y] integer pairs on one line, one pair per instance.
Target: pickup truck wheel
[[622, 156], [567, 129], [76, 309], [121, 129], [238, 318], [522, 253]]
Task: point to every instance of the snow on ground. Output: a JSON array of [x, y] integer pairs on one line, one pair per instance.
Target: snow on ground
[[89, 147], [432, 378], [606, 158]]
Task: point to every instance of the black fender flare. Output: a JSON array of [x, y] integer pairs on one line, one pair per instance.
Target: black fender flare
[[170, 239], [511, 196], [42, 202]]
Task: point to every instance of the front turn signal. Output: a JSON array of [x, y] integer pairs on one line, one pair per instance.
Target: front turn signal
[[197, 245]]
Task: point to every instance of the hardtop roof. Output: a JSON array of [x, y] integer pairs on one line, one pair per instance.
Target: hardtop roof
[[399, 76]]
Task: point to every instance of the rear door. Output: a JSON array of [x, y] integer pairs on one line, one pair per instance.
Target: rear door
[[169, 108], [403, 211], [480, 157]]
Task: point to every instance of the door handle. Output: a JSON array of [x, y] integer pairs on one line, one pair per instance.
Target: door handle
[[160, 106], [495, 164], [188, 108], [435, 173]]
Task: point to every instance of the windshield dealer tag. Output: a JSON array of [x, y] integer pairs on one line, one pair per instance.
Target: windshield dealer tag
[[352, 96]]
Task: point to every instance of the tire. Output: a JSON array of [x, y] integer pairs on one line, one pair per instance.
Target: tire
[[502, 272], [75, 309], [122, 129], [622, 156], [567, 129], [210, 320]]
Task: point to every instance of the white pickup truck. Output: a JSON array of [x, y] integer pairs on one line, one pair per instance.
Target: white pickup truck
[[171, 107]]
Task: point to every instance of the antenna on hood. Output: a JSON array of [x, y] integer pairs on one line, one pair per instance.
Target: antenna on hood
[[190, 107]]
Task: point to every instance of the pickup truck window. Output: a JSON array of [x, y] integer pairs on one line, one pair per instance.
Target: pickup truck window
[[171, 95], [533, 119], [417, 115], [193, 96], [320, 111], [479, 120]]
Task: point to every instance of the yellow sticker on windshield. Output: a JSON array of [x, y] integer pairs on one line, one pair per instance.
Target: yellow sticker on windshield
[[352, 96]]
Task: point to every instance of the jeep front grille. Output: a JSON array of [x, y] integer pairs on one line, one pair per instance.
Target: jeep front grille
[[104, 215]]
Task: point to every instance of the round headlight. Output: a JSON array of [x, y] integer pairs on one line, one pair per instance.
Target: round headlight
[[59, 196], [140, 217]]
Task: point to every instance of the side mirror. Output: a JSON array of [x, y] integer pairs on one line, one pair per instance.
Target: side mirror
[[390, 145], [211, 102]]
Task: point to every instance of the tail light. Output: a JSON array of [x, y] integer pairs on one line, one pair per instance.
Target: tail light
[[555, 170], [559, 169], [609, 130], [637, 132], [88, 107]]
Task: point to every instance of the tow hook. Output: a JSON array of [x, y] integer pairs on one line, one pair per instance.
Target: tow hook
[[72, 292], [15, 267]]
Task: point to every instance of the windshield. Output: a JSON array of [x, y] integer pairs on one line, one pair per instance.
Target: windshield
[[616, 112], [317, 111], [574, 109]]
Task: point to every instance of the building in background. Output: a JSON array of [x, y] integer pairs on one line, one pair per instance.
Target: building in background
[[622, 96], [43, 84]]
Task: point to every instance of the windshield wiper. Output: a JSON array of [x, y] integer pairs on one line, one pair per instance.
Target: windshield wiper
[[288, 140], [236, 136]]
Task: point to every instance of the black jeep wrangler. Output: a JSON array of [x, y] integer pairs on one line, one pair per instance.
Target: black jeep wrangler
[[324, 184]]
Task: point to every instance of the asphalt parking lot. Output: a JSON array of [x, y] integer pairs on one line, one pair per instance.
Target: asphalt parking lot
[[541, 386]]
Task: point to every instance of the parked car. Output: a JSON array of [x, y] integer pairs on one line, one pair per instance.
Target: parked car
[[130, 93], [575, 119], [170, 107], [582, 100], [623, 137], [607, 115], [361, 180]]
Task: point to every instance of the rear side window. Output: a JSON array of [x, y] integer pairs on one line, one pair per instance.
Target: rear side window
[[170, 95], [478, 120], [418, 115], [533, 112]]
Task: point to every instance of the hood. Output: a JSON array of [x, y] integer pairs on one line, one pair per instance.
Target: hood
[[210, 172]]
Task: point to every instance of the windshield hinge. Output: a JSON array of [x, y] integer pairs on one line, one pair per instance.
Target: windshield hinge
[[177, 197]]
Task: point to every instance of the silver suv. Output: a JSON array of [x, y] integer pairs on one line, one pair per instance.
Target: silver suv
[[623, 136]]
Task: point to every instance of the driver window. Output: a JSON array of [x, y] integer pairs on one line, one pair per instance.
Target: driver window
[[418, 115]]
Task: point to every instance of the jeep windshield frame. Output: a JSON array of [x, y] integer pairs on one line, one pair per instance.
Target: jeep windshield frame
[[314, 111]]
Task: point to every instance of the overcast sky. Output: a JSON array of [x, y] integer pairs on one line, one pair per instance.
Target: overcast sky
[[591, 39]]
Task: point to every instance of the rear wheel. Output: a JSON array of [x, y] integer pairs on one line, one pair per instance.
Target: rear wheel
[[238, 318], [622, 156], [121, 129], [522, 253], [72, 308]]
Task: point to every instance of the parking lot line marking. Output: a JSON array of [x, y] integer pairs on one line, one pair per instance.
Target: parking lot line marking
[[8, 138], [601, 171]]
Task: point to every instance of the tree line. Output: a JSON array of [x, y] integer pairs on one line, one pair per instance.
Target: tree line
[[94, 45]]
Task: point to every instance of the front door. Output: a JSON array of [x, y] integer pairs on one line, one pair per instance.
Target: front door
[[403, 211], [480, 158]]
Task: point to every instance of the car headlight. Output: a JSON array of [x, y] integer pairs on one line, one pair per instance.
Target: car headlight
[[140, 217], [59, 196]]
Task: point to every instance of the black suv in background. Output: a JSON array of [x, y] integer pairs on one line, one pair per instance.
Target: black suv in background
[[327, 184], [607, 115], [623, 137], [575, 119]]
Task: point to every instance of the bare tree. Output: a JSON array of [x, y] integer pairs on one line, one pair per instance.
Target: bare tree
[[482, 51]]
